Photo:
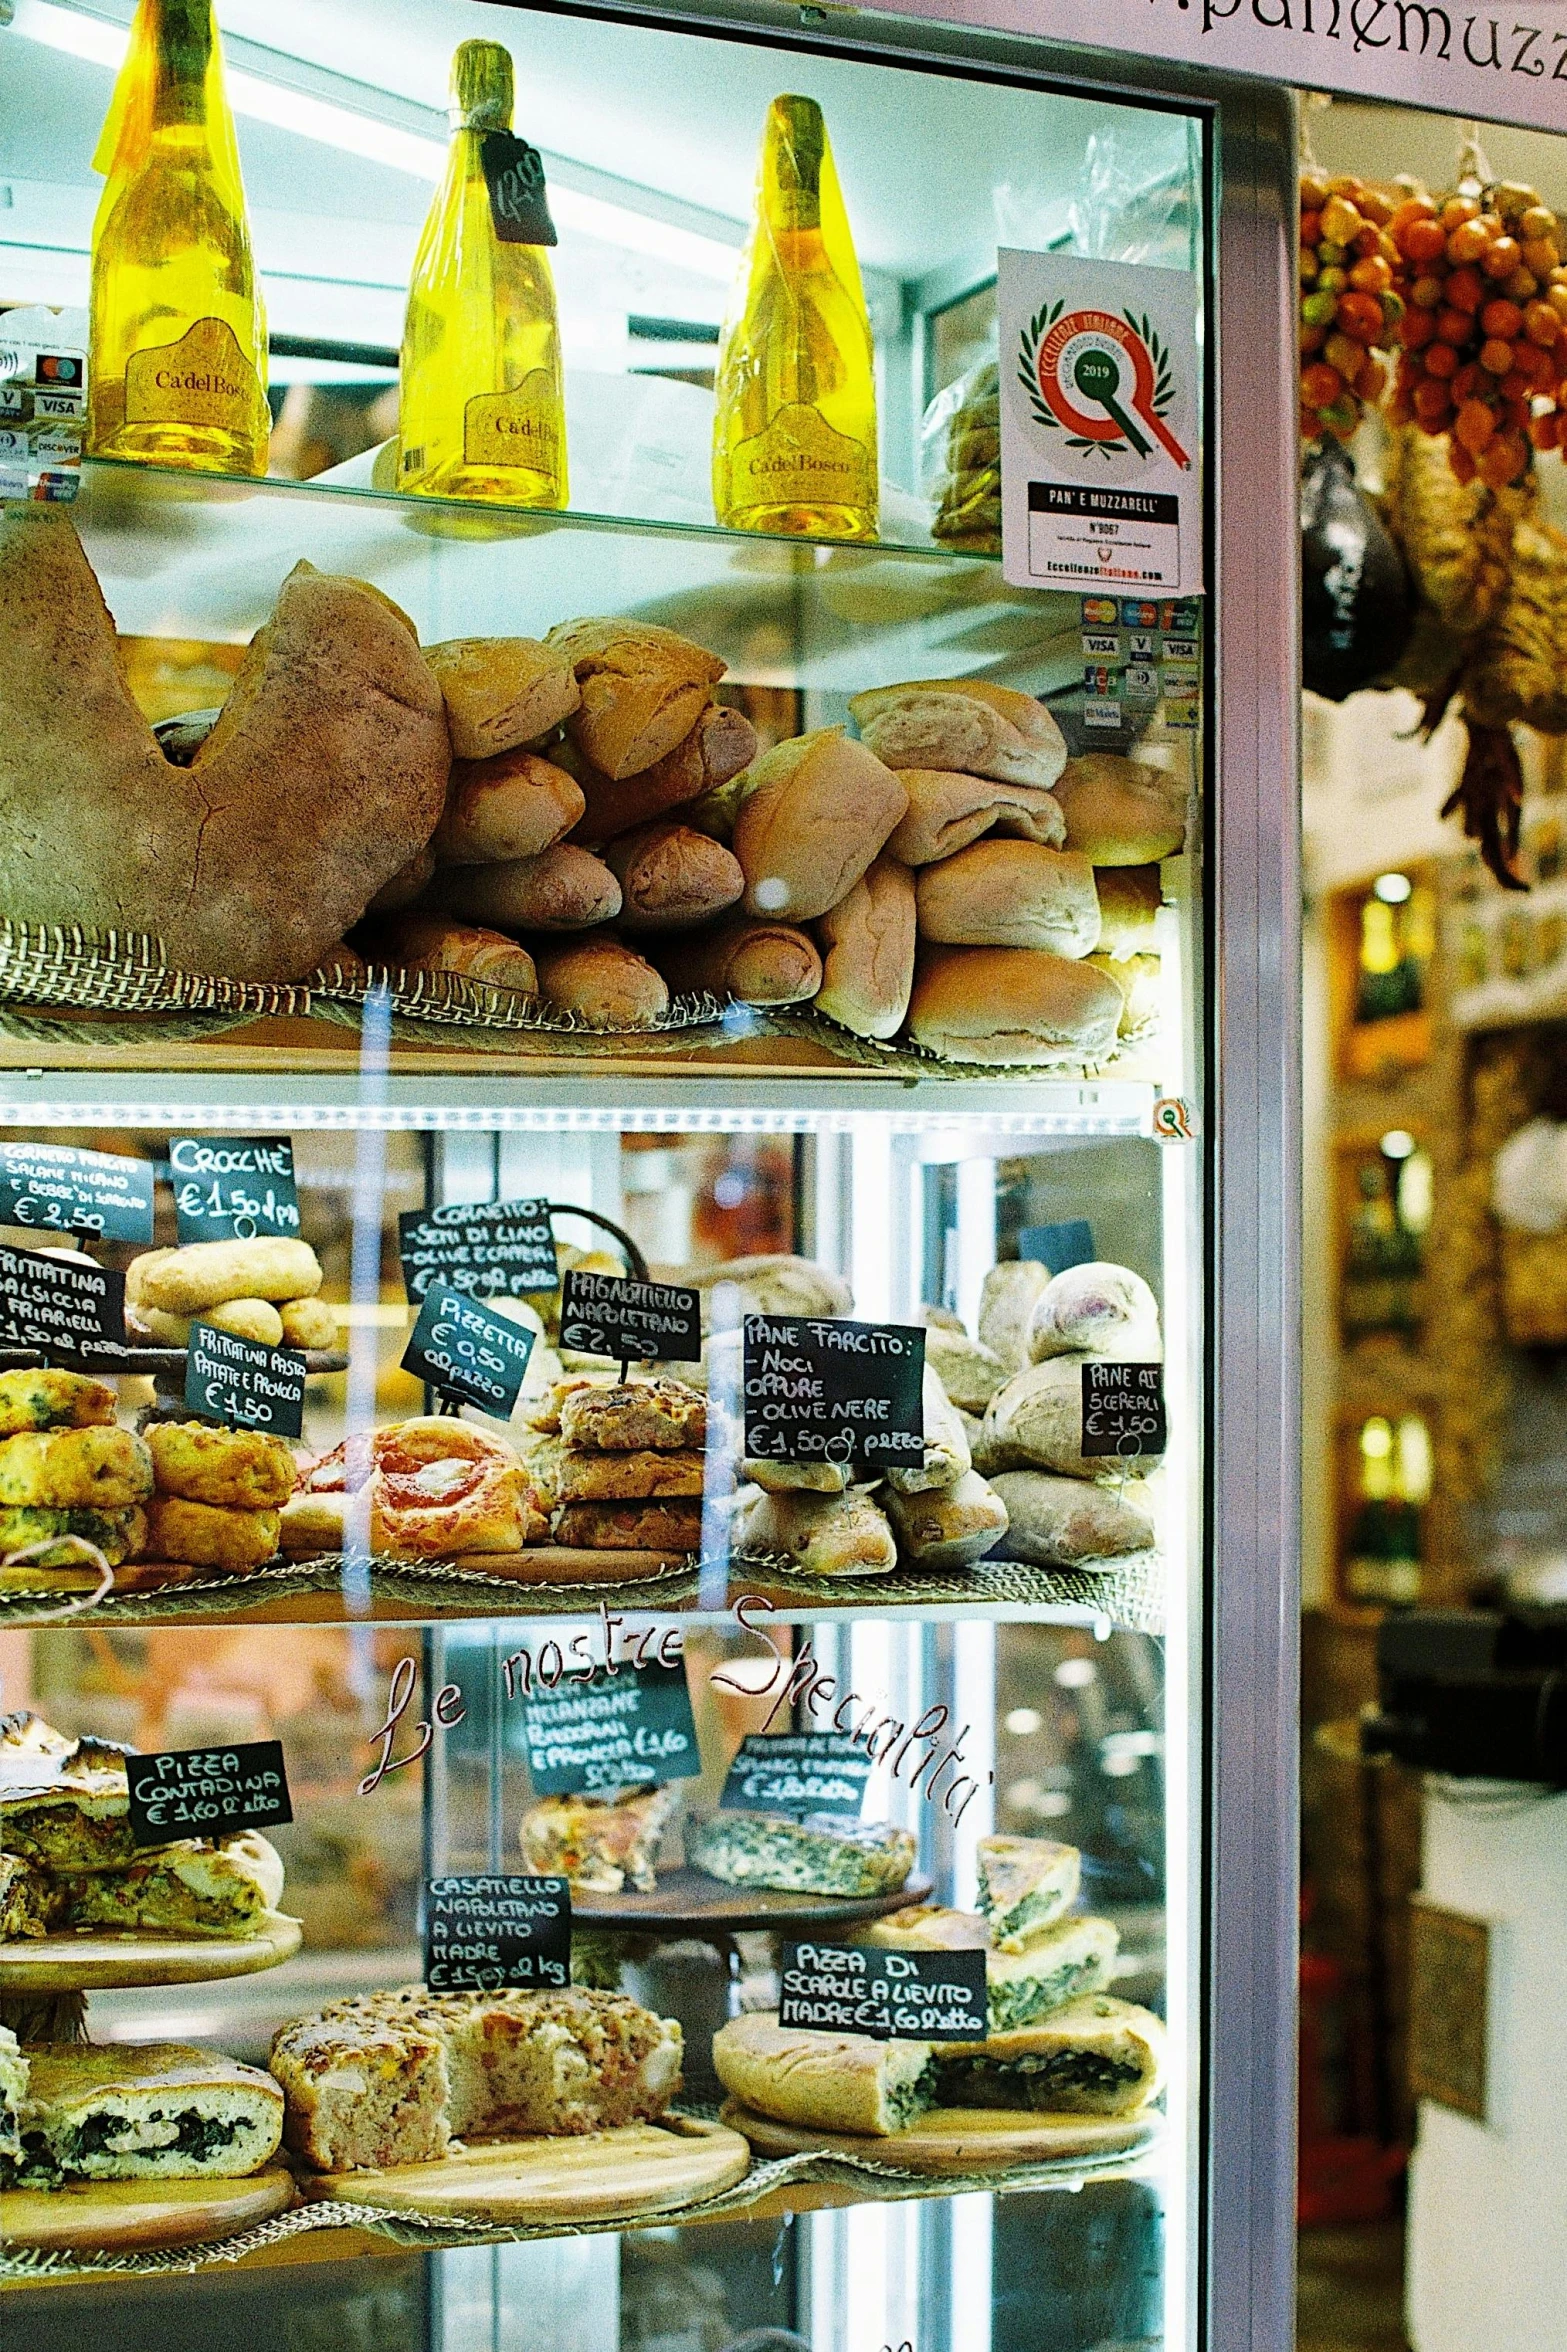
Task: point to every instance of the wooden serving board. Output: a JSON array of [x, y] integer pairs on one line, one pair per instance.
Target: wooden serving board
[[95, 1963], [601, 2176], [688, 1900], [114, 2217], [956, 2139]]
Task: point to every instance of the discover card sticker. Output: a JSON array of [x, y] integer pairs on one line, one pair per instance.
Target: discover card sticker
[[483, 1934], [1100, 482], [890, 1996]]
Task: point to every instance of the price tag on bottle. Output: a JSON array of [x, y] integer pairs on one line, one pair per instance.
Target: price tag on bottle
[[484, 1934], [61, 1189], [798, 1773], [637, 1322], [244, 1383], [890, 1996], [233, 1187], [74, 1312], [487, 1249], [465, 1351], [611, 1730], [830, 1390], [1123, 1410], [519, 202], [207, 1792]]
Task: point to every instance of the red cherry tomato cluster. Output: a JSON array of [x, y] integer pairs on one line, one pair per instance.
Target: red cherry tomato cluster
[[1349, 305], [1484, 328]]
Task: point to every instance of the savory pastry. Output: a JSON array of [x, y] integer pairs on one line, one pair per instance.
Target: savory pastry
[[29, 1901], [1095, 1310], [241, 1467], [925, 1927], [208, 1535], [823, 1534], [1121, 812], [948, 810], [962, 723], [1025, 1884], [309, 1323], [584, 1475], [643, 689], [600, 1843], [630, 1527], [255, 1319], [500, 692], [1007, 1298], [820, 1855], [1094, 2056], [1056, 1522], [948, 1526], [63, 1802], [390, 2078], [144, 2111], [438, 1486], [119, 1535], [633, 1416], [1020, 1005], [840, 2082], [511, 806], [816, 811], [53, 1400], [102, 1469], [13, 2096], [868, 941], [1074, 1955], [208, 1273], [192, 1888], [310, 1525]]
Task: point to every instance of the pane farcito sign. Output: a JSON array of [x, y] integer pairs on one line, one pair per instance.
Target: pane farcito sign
[[832, 1390]]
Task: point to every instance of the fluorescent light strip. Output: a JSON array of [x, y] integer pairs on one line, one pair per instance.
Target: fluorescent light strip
[[97, 42]]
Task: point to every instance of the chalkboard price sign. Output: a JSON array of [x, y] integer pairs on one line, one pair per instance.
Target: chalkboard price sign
[[244, 1383], [798, 1773], [830, 1390], [77, 1312], [1123, 1410], [612, 1731], [463, 1350], [486, 1249], [232, 1187], [482, 1934], [638, 1322], [889, 1996], [207, 1792], [61, 1189]]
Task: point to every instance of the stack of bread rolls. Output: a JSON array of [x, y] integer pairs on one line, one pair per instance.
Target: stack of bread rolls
[[263, 1289]]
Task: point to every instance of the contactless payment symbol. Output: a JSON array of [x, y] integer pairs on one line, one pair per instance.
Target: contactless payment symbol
[[1107, 381]]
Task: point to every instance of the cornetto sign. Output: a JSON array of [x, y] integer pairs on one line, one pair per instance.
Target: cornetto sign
[[1507, 65]]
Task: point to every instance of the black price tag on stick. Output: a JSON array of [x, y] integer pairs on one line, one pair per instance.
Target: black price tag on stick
[[463, 1350], [61, 1189], [483, 1934], [798, 1773], [830, 1390], [613, 1731], [637, 1322], [486, 1249], [891, 1996], [207, 1792], [77, 1312], [232, 1187], [244, 1383], [1123, 1411], [519, 204]]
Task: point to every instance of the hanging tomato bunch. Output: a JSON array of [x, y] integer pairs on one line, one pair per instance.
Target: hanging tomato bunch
[[1484, 327], [1349, 304]]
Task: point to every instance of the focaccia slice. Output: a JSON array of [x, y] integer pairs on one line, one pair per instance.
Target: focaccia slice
[[599, 1843], [823, 2081], [925, 1927], [362, 2089], [820, 1855], [584, 1475], [630, 1527], [62, 1802], [1095, 2056], [193, 1888], [630, 1417], [1024, 1884], [145, 2111]]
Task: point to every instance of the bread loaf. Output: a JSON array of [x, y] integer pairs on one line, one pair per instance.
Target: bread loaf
[[721, 743], [407, 884], [969, 1372], [749, 962], [1121, 812], [947, 1456], [671, 877], [1066, 1523], [962, 723], [1010, 894], [608, 985], [771, 1284], [642, 688], [949, 1526], [1129, 901], [322, 777], [815, 813], [562, 889], [1007, 1299], [1139, 980], [512, 806], [867, 943], [501, 691], [1012, 1004], [1095, 1310], [824, 1535], [1036, 1422], [948, 810], [434, 943]]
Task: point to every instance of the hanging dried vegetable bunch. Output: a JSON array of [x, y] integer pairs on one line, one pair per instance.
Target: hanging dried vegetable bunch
[[1349, 310]]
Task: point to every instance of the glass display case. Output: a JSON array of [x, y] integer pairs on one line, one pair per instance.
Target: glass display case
[[652, 1415]]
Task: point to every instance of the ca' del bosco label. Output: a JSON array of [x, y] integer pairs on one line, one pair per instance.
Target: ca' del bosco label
[[1101, 483], [516, 428], [799, 458], [203, 379]]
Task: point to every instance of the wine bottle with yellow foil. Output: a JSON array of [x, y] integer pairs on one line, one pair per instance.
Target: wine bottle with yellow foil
[[177, 367], [483, 399], [794, 438]]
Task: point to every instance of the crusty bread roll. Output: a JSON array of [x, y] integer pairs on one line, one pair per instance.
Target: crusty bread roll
[[969, 1371], [1066, 1523], [962, 723], [512, 806], [823, 1534], [795, 1477], [948, 810], [1007, 1298], [1121, 812], [1010, 894], [309, 1323], [948, 1526], [434, 943], [501, 691], [247, 1318], [816, 811], [562, 889], [867, 943], [947, 1455], [774, 1283], [643, 689], [1129, 901], [1036, 1422], [609, 985], [749, 962], [407, 884], [671, 877], [1097, 1309], [1012, 1004], [721, 743], [1138, 978]]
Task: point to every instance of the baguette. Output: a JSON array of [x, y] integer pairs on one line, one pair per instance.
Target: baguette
[[868, 952], [948, 810], [816, 811], [512, 806], [962, 723], [1012, 1004], [671, 877], [609, 985], [745, 961], [642, 690], [1121, 812], [501, 691], [720, 744], [562, 889], [434, 943], [1011, 894]]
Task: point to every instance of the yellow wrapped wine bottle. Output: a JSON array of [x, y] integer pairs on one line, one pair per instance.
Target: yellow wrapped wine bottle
[[483, 411], [794, 438], [177, 366]]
